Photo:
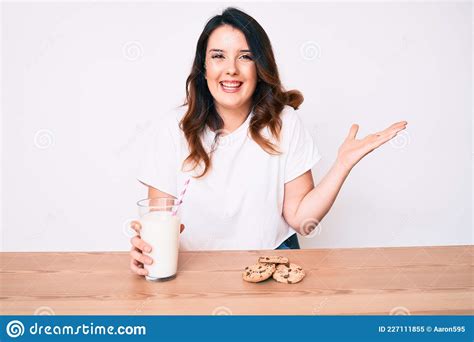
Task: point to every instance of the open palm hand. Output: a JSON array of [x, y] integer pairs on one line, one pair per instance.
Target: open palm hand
[[353, 150]]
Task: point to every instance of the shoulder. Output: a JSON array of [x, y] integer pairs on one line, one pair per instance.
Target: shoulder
[[290, 119]]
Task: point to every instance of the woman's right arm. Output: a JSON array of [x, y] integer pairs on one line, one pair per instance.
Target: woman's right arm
[[138, 245]]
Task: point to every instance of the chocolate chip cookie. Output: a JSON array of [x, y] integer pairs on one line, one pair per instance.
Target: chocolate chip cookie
[[258, 272], [273, 259], [288, 274]]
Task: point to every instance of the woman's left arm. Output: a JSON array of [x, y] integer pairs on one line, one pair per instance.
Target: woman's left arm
[[304, 202]]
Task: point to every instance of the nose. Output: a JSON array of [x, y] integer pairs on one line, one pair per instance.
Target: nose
[[232, 67]]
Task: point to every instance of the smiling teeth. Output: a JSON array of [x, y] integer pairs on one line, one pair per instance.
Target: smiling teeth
[[231, 85]]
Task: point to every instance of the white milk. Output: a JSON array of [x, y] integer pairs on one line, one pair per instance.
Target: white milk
[[161, 231]]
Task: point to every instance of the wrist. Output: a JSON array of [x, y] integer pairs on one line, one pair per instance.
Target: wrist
[[342, 166]]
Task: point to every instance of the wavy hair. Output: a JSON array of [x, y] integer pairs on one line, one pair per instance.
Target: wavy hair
[[268, 99]]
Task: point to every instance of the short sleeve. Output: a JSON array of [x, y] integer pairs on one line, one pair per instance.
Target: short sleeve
[[158, 160], [302, 152]]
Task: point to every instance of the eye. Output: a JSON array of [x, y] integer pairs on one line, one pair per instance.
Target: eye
[[247, 57], [217, 56]]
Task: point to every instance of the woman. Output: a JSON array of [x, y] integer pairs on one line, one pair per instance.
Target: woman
[[244, 147]]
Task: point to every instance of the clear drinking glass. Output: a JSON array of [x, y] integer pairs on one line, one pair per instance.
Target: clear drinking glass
[[160, 223]]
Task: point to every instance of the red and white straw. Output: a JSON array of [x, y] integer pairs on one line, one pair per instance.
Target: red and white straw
[[180, 197]]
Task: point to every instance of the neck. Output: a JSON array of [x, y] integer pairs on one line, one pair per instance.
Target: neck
[[233, 118]]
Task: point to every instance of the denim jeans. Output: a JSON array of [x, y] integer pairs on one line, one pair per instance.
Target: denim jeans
[[290, 243]]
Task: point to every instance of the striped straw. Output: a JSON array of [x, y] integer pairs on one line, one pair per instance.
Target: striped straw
[[180, 197]]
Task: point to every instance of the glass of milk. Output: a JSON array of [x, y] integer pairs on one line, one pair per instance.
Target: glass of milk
[[160, 223]]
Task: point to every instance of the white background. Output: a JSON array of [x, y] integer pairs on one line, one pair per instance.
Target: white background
[[81, 83]]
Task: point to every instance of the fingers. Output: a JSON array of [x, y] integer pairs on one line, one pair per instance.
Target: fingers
[[389, 132], [396, 124], [392, 129], [136, 226], [353, 131], [137, 268], [137, 255], [396, 127], [380, 139], [140, 244]]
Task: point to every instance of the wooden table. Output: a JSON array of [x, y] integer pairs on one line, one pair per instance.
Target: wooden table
[[408, 280]]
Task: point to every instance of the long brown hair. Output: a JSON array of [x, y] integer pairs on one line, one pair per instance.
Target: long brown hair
[[268, 99]]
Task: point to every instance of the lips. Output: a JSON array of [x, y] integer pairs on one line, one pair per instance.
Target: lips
[[230, 87]]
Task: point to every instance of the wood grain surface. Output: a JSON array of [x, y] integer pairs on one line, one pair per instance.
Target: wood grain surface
[[405, 280]]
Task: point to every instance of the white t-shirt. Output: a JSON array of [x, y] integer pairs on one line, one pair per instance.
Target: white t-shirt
[[238, 204]]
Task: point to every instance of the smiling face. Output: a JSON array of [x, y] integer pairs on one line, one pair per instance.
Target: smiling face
[[231, 73]]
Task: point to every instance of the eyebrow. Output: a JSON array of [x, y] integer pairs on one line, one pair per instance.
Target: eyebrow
[[220, 50]]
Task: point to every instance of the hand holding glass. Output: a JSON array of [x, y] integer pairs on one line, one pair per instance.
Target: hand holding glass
[[156, 246]]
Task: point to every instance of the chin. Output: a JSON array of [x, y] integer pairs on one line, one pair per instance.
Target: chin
[[230, 104]]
